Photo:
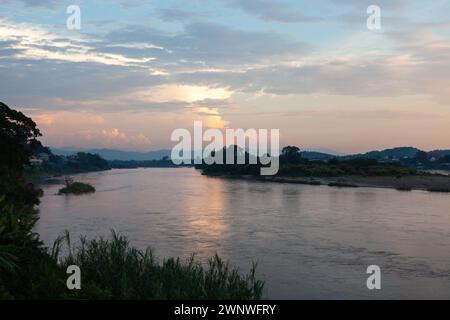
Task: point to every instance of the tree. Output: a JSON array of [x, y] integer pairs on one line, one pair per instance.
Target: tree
[[333, 161], [445, 159], [362, 162], [25, 266], [18, 140], [82, 162], [291, 155], [421, 156]]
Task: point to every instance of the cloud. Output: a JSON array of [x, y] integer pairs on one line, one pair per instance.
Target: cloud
[[138, 130], [274, 10], [210, 44], [172, 15], [71, 71], [209, 62], [37, 3], [114, 134], [384, 4], [128, 4], [36, 43], [392, 76], [44, 119], [145, 74], [183, 93]]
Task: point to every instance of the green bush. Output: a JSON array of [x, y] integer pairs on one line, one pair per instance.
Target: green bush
[[27, 271], [77, 188]]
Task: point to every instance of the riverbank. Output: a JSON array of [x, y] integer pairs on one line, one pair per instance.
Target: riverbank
[[432, 183]]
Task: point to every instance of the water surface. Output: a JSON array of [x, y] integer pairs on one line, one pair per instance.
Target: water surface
[[309, 241]]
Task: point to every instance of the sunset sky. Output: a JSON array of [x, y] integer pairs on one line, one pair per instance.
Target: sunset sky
[[139, 69]]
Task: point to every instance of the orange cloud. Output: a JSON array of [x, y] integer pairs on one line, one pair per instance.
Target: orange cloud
[[44, 119]]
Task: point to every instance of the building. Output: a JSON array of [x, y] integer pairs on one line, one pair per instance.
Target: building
[[35, 162]]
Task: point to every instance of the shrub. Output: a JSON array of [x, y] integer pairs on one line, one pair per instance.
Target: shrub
[[77, 188], [26, 269], [439, 189], [114, 269]]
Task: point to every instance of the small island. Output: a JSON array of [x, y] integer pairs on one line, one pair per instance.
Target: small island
[[76, 188]]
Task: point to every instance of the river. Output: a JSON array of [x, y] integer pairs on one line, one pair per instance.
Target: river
[[310, 242]]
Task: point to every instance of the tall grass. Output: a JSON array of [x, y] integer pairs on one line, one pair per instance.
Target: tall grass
[[26, 269], [112, 269]]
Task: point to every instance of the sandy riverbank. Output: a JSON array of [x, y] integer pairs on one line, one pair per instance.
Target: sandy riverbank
[[433, 183]]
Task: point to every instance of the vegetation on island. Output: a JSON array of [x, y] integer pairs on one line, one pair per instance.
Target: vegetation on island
[[439, 189], [110, 269], [76, 188], [293, 164]]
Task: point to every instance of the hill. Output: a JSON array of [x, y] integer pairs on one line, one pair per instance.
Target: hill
[[315, 155], [387, 154]]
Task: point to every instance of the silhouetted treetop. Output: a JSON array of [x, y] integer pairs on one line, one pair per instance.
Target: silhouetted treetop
[[18, 138]]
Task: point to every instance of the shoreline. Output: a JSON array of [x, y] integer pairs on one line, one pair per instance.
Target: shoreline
[[430, 183]]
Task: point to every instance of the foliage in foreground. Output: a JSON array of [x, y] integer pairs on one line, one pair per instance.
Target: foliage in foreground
[[112, 269], [27, 271]]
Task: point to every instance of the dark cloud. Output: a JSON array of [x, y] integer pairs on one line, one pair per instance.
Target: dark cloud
[[49, 79], [6, 52]]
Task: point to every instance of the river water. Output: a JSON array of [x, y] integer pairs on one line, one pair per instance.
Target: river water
[[312, 242]]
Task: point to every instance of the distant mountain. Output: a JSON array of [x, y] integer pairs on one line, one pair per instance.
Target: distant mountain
[[314, 155], [328, 152], [387, 154], [441, 152], [65, 151], [382, 155], [112, 154]]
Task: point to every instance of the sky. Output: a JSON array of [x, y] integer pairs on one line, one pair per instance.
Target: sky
[[136, 70]]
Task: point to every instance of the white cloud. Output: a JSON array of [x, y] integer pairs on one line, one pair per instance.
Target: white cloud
[[36, 43]]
